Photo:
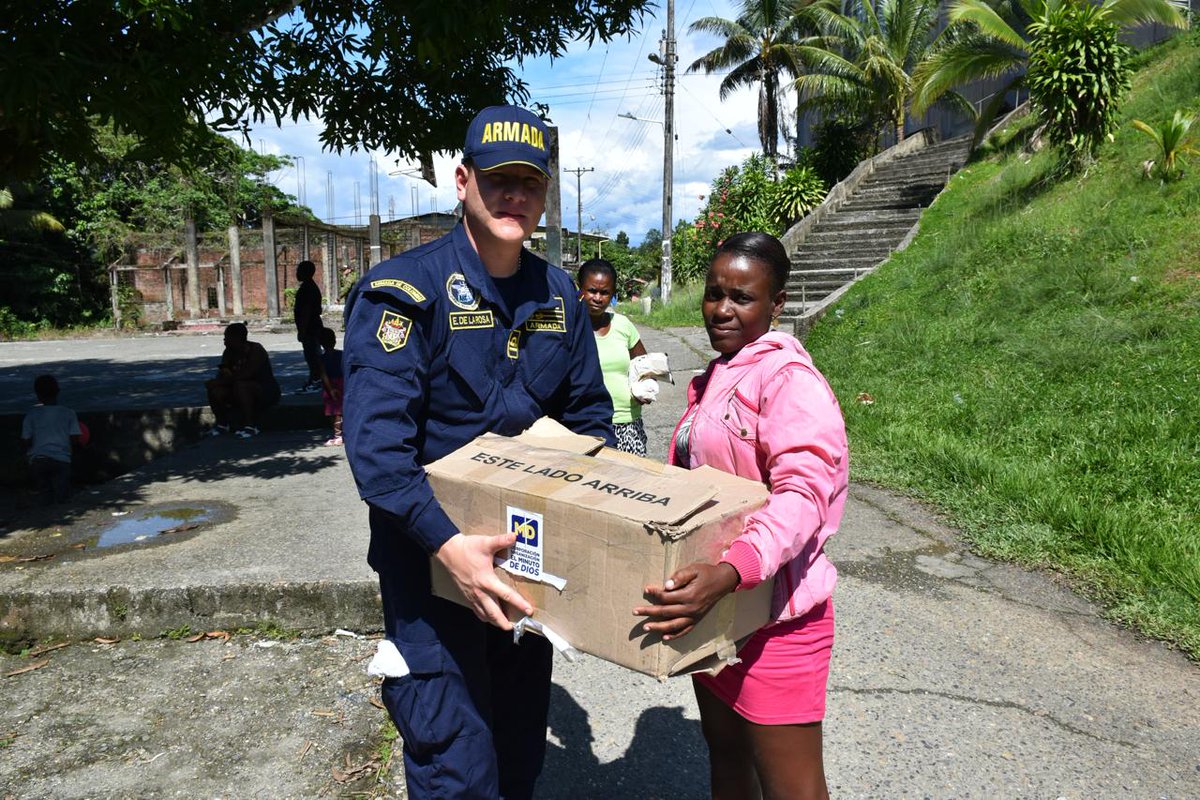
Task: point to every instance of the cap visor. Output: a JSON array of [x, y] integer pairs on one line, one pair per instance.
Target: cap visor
[[487, 165]]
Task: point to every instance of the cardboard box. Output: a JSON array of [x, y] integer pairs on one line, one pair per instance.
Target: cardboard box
[[606, 526]]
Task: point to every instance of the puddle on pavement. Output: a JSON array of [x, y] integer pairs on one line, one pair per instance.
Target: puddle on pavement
[[899, 570], [148, 524]]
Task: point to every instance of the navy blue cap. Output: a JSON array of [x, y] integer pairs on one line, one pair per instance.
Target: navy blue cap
[[502, 135]]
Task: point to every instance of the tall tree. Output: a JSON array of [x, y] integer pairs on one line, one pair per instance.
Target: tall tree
[[990, 39], [118, 194], [389, 74], [757, 51], [863, 62]]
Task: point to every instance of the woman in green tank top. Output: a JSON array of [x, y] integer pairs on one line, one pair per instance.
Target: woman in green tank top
[[617, 342]]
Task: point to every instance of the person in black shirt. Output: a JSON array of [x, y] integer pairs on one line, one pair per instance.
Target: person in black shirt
[[307, 310], [245, 385]]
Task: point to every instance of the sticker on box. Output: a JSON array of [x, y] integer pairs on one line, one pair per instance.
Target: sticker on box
[[525, 558]]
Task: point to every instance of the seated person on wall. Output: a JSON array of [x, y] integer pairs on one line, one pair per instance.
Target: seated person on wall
[[245, 385]]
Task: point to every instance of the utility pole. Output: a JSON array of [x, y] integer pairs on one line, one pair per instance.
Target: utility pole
[[665, 57], [578, 172], [668, 151], [554, 249]]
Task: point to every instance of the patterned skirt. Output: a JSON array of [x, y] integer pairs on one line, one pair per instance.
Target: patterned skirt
[[631, 437]]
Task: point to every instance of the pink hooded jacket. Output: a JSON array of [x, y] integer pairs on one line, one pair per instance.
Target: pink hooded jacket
[[767, 414]]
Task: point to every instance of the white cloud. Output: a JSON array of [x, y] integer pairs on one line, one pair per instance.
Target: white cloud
[[586, 91]]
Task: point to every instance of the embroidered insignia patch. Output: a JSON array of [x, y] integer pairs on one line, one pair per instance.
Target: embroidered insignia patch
[[465, 320], [403, 286], [548, 319], [393, 331], [460, 292], [514, 344]]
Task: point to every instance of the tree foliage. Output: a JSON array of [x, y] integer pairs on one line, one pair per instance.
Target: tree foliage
[[864, 62], [55, 274], [44, 279], [757, 51], [744, 198], [991, 39], [390, 74], [1078, 70], [840, 143], [116, 194]]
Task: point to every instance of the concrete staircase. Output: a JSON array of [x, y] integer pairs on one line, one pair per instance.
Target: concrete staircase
[[871, 214]]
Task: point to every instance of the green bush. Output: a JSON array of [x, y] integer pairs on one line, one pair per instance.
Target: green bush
[[1174, 141], [130, 300], [840, 144], [744, 198], [13, 327], [797, 193], [1078, 70]]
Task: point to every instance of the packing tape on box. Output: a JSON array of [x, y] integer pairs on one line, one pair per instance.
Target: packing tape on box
[[559, 643], [541, 577]]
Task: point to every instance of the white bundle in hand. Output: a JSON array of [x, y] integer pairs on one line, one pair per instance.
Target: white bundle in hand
[[642, 373]]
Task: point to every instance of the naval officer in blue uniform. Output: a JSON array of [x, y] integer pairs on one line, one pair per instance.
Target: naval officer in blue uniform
[[468, 334]]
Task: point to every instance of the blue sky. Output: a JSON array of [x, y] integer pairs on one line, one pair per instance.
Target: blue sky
[[586, 90]]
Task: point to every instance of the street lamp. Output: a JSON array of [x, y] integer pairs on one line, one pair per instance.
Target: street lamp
[[627, 115], [664, 281]]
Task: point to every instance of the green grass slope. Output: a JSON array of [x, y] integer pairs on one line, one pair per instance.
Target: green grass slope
[[1034, 359]]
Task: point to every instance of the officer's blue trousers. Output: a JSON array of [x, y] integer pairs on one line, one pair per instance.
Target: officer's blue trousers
[[472, 713]]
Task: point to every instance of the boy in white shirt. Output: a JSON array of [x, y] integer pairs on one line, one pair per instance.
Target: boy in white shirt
[[48, 434]]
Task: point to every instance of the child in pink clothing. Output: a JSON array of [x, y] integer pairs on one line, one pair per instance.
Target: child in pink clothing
[[332, 383], [762, 410]]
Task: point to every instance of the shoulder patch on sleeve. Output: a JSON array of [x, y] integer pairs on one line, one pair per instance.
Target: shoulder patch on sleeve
[[395, 283], [404, 280], [393, 331]]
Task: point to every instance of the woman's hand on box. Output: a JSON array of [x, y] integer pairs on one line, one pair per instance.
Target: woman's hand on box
[[470, 560], [686, 597]]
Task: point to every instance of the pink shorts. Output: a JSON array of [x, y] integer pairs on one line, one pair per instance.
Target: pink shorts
[[333, 407], [782, 675]]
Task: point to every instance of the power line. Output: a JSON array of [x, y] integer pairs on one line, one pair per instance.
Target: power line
[[712, 114], [632, 145]]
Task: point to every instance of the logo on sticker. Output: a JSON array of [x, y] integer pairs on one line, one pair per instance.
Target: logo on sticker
[[526, 555], [460, 292], [393, 331], [526, 529]]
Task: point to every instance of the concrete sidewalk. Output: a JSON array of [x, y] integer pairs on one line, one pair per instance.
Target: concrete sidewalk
[[953, 676]]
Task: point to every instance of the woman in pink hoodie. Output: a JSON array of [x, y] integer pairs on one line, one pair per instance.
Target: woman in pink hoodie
[[762, 410]]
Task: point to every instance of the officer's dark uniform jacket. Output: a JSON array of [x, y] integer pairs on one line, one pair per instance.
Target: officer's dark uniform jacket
[[434, 359]]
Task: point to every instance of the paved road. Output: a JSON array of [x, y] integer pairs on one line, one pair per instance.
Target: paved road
[[953, 676], [145, 371]]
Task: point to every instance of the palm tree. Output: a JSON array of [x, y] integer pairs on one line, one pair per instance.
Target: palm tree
[[1173, 144], [757, 51], [863, 62], [990, 39], [15, 220]]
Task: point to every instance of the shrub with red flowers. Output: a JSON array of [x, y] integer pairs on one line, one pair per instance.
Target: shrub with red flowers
[[744, 198]]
